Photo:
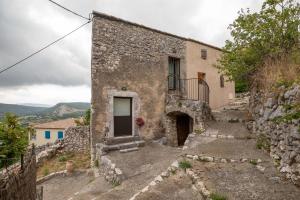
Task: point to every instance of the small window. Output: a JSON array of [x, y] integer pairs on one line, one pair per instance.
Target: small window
[[32, 136], [47, 134], [60, 135], [203, 54], [222, 81]]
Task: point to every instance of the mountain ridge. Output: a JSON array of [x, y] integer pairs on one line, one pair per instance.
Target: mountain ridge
[[59, 110]]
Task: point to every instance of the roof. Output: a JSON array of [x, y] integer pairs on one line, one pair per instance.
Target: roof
[[113, 18], [60, 124]]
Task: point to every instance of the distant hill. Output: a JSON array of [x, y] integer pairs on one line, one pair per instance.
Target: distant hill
[[19, 109], [36, 105], [59, 111], [62, 109]]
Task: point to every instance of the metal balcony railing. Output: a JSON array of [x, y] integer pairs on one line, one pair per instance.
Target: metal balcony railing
[[192, 88]]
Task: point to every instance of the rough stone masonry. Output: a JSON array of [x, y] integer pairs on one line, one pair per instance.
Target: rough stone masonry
[[128, 58], [271, 113]]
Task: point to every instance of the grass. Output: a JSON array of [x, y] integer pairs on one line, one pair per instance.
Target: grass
[[173, 171], [96, 163], [58, 163], [263, 142], [115, 183], [216, 196], [62, 158], [185, 164], [253, 162], [45, 171]]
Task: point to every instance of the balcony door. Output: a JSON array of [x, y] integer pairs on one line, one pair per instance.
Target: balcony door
[[174, 73], [122, 116]]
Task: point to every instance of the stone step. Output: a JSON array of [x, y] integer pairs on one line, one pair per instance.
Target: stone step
[[129, 150], [121, 146], [123, 139]]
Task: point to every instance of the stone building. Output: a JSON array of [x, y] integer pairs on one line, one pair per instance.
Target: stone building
[[147, 84]]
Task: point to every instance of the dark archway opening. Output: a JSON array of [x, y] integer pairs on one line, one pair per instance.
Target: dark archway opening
[[184, 126]]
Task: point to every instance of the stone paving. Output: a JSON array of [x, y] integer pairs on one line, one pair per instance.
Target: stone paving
[[233, 168]]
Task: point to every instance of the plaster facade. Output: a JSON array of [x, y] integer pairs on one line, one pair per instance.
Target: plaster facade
[[40, 139], [218, 96]]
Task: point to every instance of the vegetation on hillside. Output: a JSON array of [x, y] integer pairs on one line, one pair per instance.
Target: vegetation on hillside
[[85, 119], [264, 43], [14, 139]]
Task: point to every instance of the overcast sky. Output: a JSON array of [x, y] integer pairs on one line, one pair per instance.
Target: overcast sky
[[62, 72]]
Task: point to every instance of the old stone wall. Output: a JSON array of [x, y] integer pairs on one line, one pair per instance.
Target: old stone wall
[[277, 117], [19, 183], [130, 57], [77, 139]]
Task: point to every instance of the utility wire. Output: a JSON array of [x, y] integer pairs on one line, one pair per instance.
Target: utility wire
[[45, 47], [69, 10]]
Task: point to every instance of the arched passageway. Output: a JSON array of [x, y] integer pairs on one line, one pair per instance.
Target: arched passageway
[[178, 126], [184, 126]]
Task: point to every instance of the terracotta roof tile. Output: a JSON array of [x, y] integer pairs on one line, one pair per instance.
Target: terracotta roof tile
[[60, 124]]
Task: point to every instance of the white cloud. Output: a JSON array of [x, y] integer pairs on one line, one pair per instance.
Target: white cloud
[[46, 94], [63, 71]]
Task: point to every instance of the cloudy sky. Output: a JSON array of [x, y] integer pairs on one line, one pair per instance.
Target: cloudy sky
[[62, 72]]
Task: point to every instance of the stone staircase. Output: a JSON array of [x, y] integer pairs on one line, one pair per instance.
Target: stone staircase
[[123, 144]]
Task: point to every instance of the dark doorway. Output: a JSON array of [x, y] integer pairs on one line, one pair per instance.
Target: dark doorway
[[122, 116], [184, 127]]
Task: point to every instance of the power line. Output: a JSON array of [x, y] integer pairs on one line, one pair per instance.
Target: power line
[[45, 47], [69, 10]]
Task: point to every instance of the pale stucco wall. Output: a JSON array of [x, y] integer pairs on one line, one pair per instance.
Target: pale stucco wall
[[218, 96], [40, 136]]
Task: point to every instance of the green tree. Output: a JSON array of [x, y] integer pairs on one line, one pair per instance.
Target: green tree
[[270, 34], [14, 139], [85, 121]]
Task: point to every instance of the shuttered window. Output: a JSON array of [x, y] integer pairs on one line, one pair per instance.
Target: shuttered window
[[204, 54], [60, 135], [222, 81], [47, 134]]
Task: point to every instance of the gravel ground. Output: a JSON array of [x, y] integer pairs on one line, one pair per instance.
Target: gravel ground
[[245, 181], [177, 187]]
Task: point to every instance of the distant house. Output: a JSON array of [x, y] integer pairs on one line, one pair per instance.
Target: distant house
[[50, 132]]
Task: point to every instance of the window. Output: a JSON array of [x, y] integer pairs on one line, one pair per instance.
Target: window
[[60, 135], [201, 76], [33, 136], [203, 54], [222, 81], [47, 134], [174, 73]]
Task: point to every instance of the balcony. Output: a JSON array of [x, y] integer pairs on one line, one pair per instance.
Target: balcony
[[190, 89]]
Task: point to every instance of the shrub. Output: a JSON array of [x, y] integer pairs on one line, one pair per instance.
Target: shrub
[[253, 162], [185, 164], [62, 158], [216, 196], [14, 139]]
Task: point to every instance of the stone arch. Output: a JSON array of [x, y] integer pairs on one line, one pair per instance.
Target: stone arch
[[178, 126], [197, 112]]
